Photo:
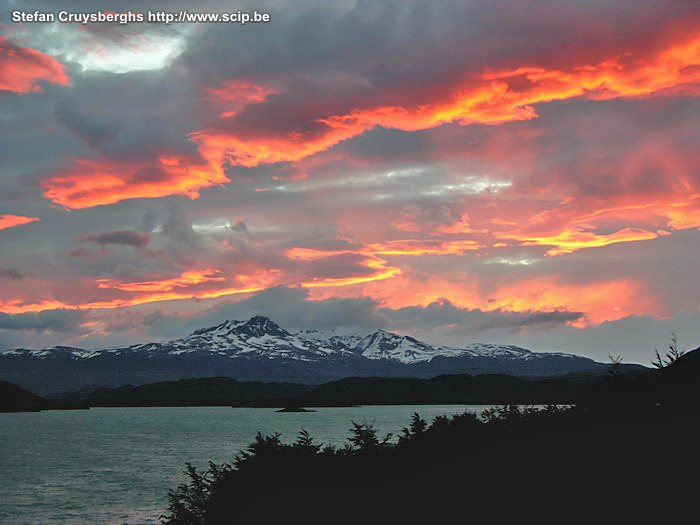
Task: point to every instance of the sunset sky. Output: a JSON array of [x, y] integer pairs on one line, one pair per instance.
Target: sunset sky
[[511, 171]]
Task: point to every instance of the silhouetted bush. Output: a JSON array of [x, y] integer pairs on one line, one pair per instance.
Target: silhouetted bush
[[270, 470], [502, 460]]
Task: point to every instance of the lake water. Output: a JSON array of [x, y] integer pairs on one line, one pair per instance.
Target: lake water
[[115, 466]]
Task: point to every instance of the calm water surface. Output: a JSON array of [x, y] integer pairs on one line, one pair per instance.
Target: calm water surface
[[115, 466]]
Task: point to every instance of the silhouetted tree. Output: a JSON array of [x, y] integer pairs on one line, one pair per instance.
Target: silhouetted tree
[[364, 437], [416, 428], [674, 352], [615, 362]]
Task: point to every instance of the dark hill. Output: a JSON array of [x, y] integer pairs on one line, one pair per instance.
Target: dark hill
[[14, 398], [207, 391], [444, 389]]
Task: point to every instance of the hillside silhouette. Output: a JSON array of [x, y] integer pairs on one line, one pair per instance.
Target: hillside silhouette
[[444, 389], [626, 439], [14, 398]]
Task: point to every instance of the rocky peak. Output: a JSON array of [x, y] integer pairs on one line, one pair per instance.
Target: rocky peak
[[256, 326]]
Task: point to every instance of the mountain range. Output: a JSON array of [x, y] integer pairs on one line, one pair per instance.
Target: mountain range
[[260, 350]]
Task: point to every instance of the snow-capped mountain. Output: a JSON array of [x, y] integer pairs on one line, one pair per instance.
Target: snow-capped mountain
[[262, 350]]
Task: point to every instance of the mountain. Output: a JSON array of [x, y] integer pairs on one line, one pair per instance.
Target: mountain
[[260, 350], [14, 398]]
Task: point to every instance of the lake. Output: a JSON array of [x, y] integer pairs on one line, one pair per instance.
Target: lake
[[114, 466]]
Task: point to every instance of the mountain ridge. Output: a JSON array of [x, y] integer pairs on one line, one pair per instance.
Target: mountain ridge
[[259, 349]]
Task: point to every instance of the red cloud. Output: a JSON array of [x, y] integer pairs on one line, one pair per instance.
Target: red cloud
[[22, 67]]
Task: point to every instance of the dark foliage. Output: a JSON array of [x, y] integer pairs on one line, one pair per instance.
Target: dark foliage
[[509, 461]]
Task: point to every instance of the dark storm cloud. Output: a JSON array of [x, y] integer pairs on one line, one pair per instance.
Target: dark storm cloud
[[520, 320], [123, 237], [11, 273], [177, 228], [134, 114], [52, 320], [386, 42], [240, 227], [389, 145], [473, 322], [94, 131]]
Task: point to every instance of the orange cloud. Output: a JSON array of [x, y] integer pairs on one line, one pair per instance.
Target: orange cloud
[[397, 247], [382, 272], [600, 301], [249, 153], [186, 286], [17, 306], [491, 97], [20, 307], [684, 215], [421, 247], [186, 279], [90, 183], [463, 225], [22, 67], [179, 288], [382, 269], [309, 253], [236, 94], [8, 221], [572, 239], [391, 286]]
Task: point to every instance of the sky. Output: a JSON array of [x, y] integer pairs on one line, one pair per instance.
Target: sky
[[514, 171]]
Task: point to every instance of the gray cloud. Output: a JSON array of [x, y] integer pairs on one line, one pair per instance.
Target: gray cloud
[[11, 273], [519, 320], [123, 237], [474, 322], [67, 321], [240, 227]]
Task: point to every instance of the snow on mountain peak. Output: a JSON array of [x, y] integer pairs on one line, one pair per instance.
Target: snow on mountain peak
[[260, 337], [255, 326], [224, 327]]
